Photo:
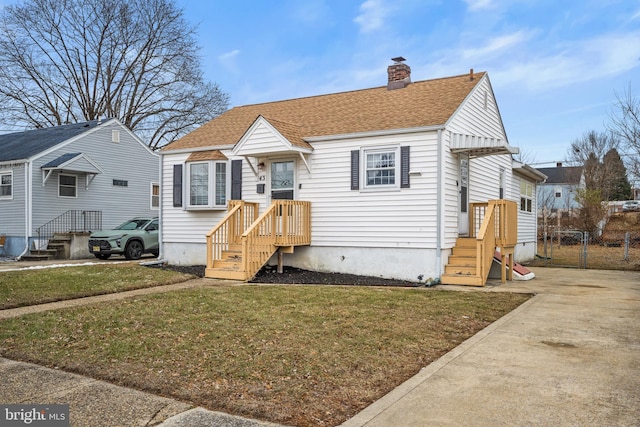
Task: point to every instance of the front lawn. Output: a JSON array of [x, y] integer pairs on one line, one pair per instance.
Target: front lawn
[[297, 355], [28, 287]]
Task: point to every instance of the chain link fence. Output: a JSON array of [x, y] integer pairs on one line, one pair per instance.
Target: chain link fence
[[618, 250]]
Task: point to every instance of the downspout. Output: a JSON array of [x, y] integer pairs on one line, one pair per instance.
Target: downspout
[[440, 206], [27, 207], [160, 209], [160, 259]]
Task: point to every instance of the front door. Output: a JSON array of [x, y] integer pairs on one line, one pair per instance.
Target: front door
[[282, 180], [463, 199]]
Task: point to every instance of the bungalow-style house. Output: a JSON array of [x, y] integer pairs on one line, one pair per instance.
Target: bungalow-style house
[[73, 178], [381, 182]]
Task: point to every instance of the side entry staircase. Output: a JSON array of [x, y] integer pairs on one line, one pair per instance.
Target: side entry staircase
[[493, 225], [60, 232], [242, 242]]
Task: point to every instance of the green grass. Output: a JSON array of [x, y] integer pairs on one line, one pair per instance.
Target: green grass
[[297, 355], [28, 287]]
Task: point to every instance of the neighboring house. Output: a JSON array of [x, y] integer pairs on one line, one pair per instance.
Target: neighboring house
[[76, 177], [557, 193], [388, 176]]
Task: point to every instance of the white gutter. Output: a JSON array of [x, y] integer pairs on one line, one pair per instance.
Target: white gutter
[[369, 134], [440, 206], [163, 152]]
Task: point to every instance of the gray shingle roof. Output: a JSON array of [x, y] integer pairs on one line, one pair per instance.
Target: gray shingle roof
[[60, 160], [562, 175], [23, 145]]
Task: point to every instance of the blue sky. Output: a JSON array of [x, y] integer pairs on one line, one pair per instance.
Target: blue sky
[[555, 66]]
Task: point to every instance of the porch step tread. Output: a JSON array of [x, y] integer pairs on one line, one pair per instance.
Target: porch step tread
[[457, 279], [460, 271], [217, 273], [36, 257]]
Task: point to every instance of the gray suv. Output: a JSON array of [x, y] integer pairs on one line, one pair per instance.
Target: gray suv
[[131, 239]]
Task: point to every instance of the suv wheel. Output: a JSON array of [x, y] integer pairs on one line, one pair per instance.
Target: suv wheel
[[133, 250]]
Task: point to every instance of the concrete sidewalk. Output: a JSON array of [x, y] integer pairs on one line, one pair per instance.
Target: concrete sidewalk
[[567, 357]]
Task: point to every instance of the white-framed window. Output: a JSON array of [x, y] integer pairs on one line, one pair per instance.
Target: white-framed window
[[381, 168], [207, 184], [155, 195], [67, 185], [558, 192], [6, 185], [526, 196]]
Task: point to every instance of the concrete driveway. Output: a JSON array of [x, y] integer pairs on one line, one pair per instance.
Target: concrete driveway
[[568, 357]]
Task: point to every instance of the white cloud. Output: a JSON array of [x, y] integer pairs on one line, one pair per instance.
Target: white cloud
[[479, 4], [497, 45], [228, 59], [372, 14], [229, 55], [578, 62]]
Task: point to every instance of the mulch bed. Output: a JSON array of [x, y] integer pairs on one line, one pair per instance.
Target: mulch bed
[[291, 275]]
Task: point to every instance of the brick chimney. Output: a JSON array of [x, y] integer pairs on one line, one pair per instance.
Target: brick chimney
[[399, 74]]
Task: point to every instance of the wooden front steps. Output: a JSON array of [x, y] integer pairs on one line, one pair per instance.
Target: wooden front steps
[[462, 266], [229, 266]]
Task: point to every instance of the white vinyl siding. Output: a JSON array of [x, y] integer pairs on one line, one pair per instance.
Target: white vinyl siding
[[263, 139], [180, 224], [343, 217], [527, 221]]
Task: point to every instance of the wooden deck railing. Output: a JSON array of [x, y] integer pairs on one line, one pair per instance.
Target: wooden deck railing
[[493, 224], [230, 229], [286, 223]]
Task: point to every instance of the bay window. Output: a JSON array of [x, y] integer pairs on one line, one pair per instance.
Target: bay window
[[207, 184]]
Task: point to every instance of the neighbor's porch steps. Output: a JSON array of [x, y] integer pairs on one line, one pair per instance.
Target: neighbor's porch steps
[[58, 247], [462, 266]]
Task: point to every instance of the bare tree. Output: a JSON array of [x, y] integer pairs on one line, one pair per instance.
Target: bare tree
[[624, 122], [603, 170], [65, 61]]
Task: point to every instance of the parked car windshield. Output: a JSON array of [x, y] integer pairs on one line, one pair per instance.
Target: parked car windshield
[[134, 224]]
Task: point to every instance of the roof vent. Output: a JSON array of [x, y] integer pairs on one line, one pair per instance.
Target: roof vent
[[399, 74]]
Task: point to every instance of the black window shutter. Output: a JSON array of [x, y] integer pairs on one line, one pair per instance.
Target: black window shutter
[[355, 170], [404, 167], [177, 185], [236, 179]]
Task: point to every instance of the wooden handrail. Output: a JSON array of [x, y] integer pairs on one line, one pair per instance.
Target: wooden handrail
[[285, 223], [230, 229], [498, 222]]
